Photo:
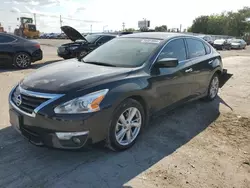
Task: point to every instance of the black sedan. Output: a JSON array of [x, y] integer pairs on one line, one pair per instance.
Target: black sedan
[[111, 93], [18, 51], [81, 45]]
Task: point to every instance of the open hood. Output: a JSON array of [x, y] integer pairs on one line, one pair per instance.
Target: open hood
[[72, 33]]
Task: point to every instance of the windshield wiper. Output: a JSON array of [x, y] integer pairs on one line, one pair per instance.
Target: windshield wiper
[[100, 63]]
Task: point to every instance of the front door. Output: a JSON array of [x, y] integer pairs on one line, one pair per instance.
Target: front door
[[173, 85], [6, 49]]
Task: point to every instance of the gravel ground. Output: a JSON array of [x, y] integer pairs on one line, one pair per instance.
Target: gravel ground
[[197, 145]]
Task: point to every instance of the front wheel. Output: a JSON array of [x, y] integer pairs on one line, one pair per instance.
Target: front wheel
[[213, 88], [126, 125]]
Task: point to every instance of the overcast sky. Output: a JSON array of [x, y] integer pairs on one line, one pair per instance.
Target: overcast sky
[[111, 13]]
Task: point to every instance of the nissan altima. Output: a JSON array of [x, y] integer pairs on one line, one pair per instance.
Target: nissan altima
[[110, 94]]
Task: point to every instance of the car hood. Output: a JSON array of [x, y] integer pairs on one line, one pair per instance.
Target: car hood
[[65, 76], [72, 34], [235, 43], [219, 42]]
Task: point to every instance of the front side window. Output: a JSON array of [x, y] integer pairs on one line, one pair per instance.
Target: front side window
[[104, 39], [174, 49], [123, 52], [195, 48], [92, 38]]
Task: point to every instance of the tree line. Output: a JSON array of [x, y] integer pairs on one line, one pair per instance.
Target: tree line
[[227, 23]]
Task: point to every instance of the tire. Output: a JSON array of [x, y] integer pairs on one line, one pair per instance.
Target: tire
[[82, 53], [213, 92], [117, 139], [22, 60]]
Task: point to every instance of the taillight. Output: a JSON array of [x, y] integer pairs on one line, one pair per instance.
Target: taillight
[[37, 46]]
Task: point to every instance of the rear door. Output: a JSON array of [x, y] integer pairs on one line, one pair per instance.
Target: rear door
[[200, 55], [6, 48]]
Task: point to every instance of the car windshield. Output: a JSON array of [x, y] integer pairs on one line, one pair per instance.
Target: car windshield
[[91, 38], [123, 52]]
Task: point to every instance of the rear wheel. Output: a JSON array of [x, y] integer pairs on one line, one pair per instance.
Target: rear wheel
[[22, 60], [213, 88], [126, 125]]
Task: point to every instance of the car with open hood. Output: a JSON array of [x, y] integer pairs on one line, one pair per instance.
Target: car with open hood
[[81, 45], [110, 94], [207, 38]]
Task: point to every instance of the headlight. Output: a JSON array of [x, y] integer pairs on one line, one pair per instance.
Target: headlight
[[85, 104], [73, 47]]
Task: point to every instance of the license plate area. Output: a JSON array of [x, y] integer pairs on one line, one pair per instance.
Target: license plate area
[[15, 119]]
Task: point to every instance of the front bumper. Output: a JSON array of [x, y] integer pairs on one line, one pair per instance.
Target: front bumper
[[37, 55], [65, 53], [64, 131]]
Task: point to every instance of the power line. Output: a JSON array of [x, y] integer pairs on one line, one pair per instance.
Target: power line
[[55, 16]]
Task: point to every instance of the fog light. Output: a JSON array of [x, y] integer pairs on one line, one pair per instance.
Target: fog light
[[69, 135], [76, 140]]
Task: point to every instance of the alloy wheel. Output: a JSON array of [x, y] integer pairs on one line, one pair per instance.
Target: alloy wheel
[[22, 60], [214, 87], [128, 126], [83, 53]]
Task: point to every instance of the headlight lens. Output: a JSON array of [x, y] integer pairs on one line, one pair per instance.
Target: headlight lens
[[85, 104], [73, 47]]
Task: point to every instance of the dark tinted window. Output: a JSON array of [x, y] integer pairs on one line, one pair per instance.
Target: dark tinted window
[[195, 48], [174, 49], [92, 38], [6, 39], [207, 48], [104, 39]]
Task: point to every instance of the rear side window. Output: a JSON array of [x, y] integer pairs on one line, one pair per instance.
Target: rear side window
[[207, 48], [6, 39], [195, 48], [174, 49]]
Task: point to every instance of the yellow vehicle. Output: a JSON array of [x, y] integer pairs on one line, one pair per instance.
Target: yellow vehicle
[[1, 28], [27, 29]]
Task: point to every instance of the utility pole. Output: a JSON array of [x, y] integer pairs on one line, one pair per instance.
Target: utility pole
[[91, 28], [180, 27], [35, 18], [9, 28], [61, 22], [123, 26]]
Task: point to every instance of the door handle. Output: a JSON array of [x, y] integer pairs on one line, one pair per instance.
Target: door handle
[[210, 62], [189, 70]]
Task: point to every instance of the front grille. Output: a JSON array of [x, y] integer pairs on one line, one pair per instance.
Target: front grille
[[25, 102]]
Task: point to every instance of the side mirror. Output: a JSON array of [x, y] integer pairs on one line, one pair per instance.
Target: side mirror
[[167, 63]]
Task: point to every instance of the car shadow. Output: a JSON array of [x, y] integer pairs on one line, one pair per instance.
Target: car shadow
[[11, 68], [25, 165]]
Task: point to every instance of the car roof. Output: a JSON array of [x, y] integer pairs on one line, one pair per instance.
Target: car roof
[[10, 35], [104, 34], [154, 35]]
